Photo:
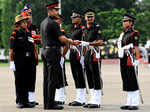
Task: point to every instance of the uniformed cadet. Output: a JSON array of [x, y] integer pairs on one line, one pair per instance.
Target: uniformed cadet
[[27, 12], [22, 60], [51, 54], [93, 38], [128, 51], [76, 33], [60, 95]]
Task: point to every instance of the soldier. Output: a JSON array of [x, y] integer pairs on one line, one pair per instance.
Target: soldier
[[51, 55], [60, 95], [22, 60], [27, 12], [76, 33], [94, 38], [129, 37]]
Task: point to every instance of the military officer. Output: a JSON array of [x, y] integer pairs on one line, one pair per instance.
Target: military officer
[[76, 33], [129, 37], [51, 55], [27, 12], [22, 60], [93, 38], [60, 95]]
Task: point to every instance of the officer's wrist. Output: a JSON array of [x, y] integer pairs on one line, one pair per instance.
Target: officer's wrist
[[70, 41], [62, 56]]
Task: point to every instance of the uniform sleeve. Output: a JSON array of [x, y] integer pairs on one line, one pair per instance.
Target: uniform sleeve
[[12, 40], [62, 31], [57, 29], [136, 37], [99, 32], [68, 33]]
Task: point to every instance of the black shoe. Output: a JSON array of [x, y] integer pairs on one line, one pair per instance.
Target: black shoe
[[133, 108], [55, 107], [34, 103], [25, 105], [59, 102], [29, 105], [76, 103], [20, 105], [93, 106], [124, 107], [86, 105]]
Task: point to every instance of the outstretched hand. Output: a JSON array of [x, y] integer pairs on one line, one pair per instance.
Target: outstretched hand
[[76, 42], [83, 43]]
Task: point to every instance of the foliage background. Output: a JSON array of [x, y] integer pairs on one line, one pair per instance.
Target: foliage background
[[109, 15]]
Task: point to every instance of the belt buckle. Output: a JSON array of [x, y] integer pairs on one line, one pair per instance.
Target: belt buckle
[[47, 47], [27, 54]]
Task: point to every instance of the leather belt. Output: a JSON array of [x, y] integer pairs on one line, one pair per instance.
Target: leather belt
[[49, 47]]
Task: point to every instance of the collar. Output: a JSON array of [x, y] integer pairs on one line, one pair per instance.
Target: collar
[[51, 17], [128, 29], [92, 26], [76, 26]]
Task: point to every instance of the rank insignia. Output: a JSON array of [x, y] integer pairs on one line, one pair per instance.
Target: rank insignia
[[99, 32], [136, 38]]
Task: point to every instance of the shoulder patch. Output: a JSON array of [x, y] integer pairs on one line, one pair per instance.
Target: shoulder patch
[[136, 38], [97, 25], [99, 32], [81, 26], [135, 31], [12, 38]]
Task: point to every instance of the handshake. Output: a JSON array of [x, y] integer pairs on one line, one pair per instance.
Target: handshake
[[83, 43], [80, 43]]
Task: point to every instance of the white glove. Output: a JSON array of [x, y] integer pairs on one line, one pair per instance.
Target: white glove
[[120, 52], [12, 66], [83, 43], [136, 63], [30, 39], [62, 62], [82, 60]]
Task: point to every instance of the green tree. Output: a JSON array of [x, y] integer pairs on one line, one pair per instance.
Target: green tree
[[109, 14], [8, 14], [111, 22]]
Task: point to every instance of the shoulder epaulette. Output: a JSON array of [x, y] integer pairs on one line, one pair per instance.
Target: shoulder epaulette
[[97, 25], [13, 33], [62, 30], [81, 26], [12, 38], [137, 32], [133, 34]]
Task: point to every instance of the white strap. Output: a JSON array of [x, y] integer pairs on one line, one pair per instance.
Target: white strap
[[97, 52], [75, 48], [128, 46], [120, 39]]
